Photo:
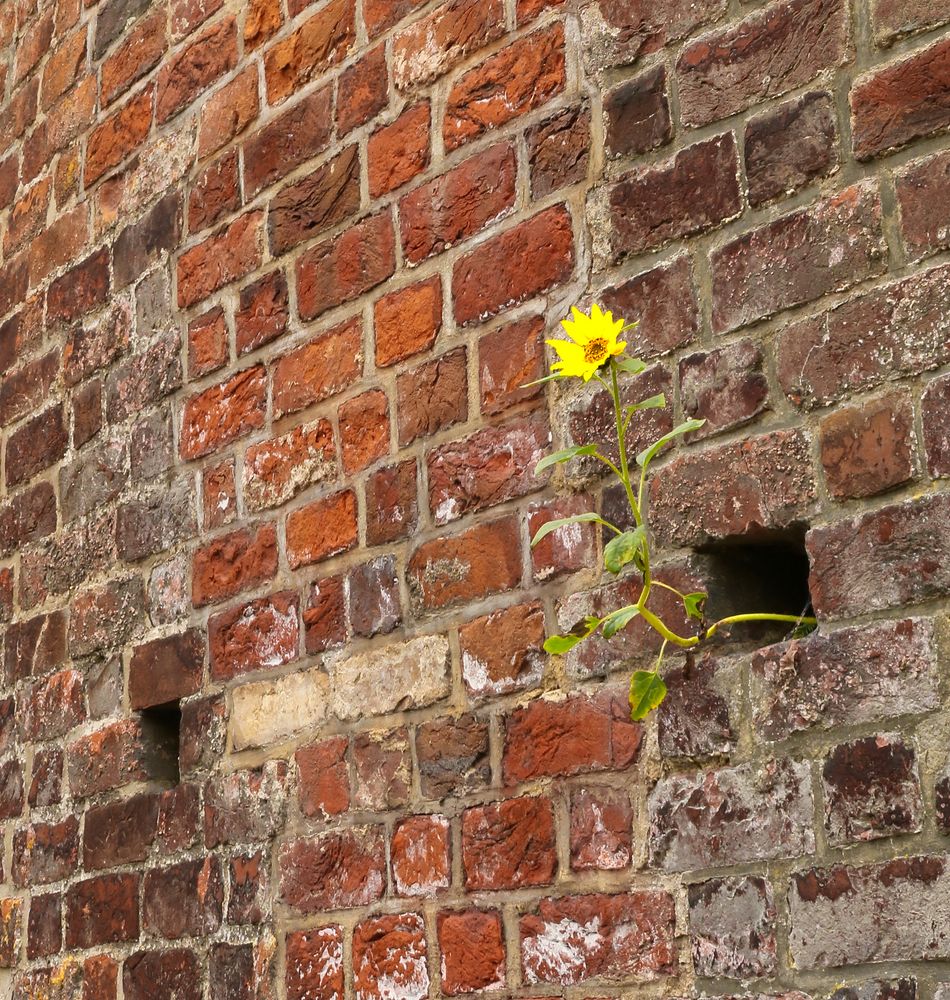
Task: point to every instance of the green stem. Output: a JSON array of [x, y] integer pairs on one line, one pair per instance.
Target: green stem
[[610, 465], [678, 640], [672, 590], [733, 619]]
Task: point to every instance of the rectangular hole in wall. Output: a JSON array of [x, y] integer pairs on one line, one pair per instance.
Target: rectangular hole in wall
[[161, 726]]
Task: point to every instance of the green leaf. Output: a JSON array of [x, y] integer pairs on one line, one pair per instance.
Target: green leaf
[[623, 549], [561, 522], [630, 326], [648, 454], [619, 619], [653, 403], [564, 456], [694, 604], [647, 692], [560, 644], [540, 381], [633, 366], [803, 629]]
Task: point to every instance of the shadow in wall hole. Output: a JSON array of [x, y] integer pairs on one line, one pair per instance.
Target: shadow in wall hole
[[161, 727]]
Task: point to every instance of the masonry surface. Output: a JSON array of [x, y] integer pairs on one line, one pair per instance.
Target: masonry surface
[[272, 275]]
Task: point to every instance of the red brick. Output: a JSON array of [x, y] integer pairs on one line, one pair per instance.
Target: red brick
[[420, 855], [207, 343], [11, 789], [489, 467], [791, 146], [226, 256], [324, 784], [262, 314], [565, 550], [120, 833], [868, 449], [245, 806], [431, 46], [445, 211], [319, 369], [893, 18], [315, 964], [140, 52], [80, 290], [882, 559], [298, 134], [364, 430], [64, 66], [453, 757], [483, 560], [184, 900], [692, 193], [398, 152], [407, 322], [341, 269], [118, 137], [33, 45], [143, 243], [576, 938], [233, 563], [166, 670], [559, 150], [35, 446], [798, 258], [517, 80], [501, 652], [249, 898], [581, 733], [119, 754], [188, 15], [263, 19], [509, 358], [391, 503], [901, 102], [325, 615], [726, 387], [187, 75], [45, 852], [362, 91], [28, 389], [601, 829], [321, 529], [175, 972], [822, 358], [316, 203], [432, 397], [222, 414], [319, 43], [472, 944], [509, 845], [255, 636], [383, 767], [336, 870], [28, 215], [275, 471], [934, 408], [228, 112], [638, 114], [767, 54], [219, 495], [102, 910], [544, 248], [389, 957], [923, 194]]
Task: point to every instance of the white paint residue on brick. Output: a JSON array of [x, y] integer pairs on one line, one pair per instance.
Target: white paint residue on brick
[[559, 955]]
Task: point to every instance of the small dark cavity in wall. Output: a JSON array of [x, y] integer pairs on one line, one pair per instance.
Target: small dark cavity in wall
[[764, 572], [161, 726]]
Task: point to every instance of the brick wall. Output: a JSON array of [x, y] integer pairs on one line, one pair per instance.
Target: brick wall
[[273, 273]]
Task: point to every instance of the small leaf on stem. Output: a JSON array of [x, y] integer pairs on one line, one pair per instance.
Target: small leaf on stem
[[648, 454], [619, 619], [647, 692], [623, 549], [694, 604], [561, 522], [557, 457], [632, 366]]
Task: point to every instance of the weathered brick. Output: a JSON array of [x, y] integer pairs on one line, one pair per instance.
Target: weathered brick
[[576, 938], [868, 449], [453, 756], [335, 870], [883, 559], [767, 54], [51, 707], [398, 152], [934, 407], [390, 957], [902, 101], [362, 91], [45, 852], [318, 202], [391, 503], [80, 290], [262, 313], [517, 80], [408, 321], [548, 738], [695, 719], [420, 855], [341, 269], [184, 899], [732, 927], [866, 673], [321, 529], [256, 636], [144, 242], [762, 811], [600, 830], [228, 112], [175, 972], [319, 369], [877, 913], [215, 194], [451, 208], [118, 137], [637, 114], [798, 258], [501, 652], [102, 910], [315, 964], [204, 60], [245, 806], [223, 413], [509, 845], [761, 482], [364, 430], [893, 18], [324, 784], [268, 712], [480, 561], [791, 147], [120, 833], [139, 52], [725, 387], [119, 754], [324, 617], [923, 194], [432, 397], [382, 763], [871, 790], [235, 562], [221, 259], [275, 471], [44, 927], [372, 597]]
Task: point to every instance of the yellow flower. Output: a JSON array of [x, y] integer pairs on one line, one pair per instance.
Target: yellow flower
[[593, 342]]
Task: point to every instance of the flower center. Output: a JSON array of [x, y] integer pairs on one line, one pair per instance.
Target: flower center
[[595, 352]]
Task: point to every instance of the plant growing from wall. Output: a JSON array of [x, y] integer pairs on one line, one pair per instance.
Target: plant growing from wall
[[595, 351]]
